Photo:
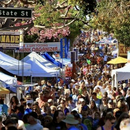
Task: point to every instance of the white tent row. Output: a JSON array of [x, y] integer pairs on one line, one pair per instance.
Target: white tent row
[[32, 65], [120, 74]]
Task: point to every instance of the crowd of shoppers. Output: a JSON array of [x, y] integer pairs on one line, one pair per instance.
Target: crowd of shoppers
[[87, 101]]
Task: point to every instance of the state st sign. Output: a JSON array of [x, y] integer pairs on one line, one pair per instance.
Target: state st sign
[[21, 13]]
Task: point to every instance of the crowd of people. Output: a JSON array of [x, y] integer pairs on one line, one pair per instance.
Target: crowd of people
[[87, 101]]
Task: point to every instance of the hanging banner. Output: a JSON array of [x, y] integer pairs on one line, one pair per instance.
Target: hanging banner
[[123, 50], [63, 47], [68, 45], [40, 47]]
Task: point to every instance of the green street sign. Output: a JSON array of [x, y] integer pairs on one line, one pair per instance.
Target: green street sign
[[21, 13]]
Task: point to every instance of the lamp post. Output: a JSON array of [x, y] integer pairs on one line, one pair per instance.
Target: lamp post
[[73, 58], [21, 46]]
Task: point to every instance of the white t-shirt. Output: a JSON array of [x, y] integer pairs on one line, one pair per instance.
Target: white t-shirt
[[109, 94], [35, 127], [21, 125]]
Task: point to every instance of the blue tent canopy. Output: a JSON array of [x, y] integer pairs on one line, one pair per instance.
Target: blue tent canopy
[[9, 87], [51, 59]]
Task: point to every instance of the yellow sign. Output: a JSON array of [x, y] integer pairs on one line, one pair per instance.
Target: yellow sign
[[123, 50], [10, 39]]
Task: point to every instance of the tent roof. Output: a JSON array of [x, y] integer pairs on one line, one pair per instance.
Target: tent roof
[[8, 79], [13, 65], [117, 60], [39, 69], [40, 59], [9, 87], [51, 59]]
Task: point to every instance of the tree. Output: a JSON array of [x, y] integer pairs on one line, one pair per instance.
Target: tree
[[113, 17], [52, 19]]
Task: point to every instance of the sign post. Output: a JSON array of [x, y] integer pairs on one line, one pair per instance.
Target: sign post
[[21, 13]]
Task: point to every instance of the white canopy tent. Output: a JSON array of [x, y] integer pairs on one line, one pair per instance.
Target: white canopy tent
[[40, 67], [8, 79], [14, 66], [39, 58], [120, 74]]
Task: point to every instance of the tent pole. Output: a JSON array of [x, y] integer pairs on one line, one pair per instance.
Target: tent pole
[[31, 79]]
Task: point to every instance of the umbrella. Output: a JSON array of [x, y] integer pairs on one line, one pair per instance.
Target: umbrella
[[117, 60], [4, 90]]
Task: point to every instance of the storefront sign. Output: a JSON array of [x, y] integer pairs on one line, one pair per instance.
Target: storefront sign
[[41, 47], [123, 50], [9, 39]]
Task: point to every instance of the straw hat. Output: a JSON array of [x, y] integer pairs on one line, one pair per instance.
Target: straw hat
[[70, 120]]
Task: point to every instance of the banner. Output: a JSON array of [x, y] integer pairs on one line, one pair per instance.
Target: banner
[[123, 50], [41, 47], [63, 47], [68, 45]]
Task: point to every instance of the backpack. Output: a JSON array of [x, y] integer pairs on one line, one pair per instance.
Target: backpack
[[88, 123]]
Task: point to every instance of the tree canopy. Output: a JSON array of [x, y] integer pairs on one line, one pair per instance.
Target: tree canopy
[[113, 17], [52, 19]]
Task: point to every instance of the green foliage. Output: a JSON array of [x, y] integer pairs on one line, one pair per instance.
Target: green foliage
[[113, 17], [53, 13], [30, 38], [74, 31], [123, 34]]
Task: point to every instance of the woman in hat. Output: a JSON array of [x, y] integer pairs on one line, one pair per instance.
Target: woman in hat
[[71, 122]]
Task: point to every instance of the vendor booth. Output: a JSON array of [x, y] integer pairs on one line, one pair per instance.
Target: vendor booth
[[40, 67], [120, 74]]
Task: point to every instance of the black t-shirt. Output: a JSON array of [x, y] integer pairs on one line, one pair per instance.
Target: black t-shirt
[[58, 126]]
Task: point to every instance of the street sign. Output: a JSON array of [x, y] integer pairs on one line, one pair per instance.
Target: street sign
[[22, 13]]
